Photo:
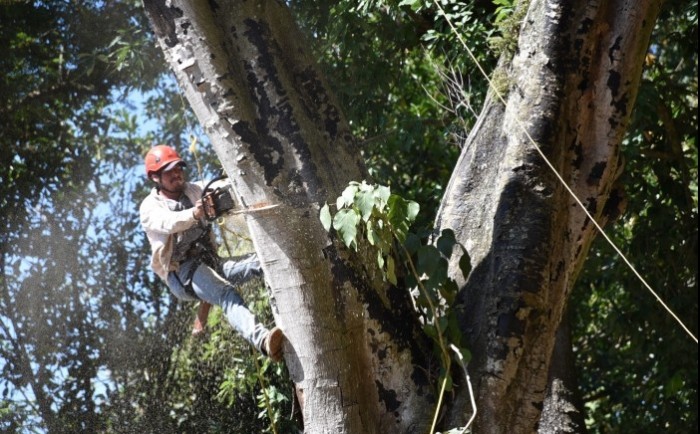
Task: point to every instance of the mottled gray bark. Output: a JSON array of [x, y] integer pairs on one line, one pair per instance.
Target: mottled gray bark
[[573, 82], [354, 346], [563, 407]]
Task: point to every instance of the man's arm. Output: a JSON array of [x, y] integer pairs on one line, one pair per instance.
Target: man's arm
[[157, 218]]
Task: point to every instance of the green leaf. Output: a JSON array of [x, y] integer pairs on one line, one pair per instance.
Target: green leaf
[[381, 196], [430, 330], [391, 270], [449, 291], [674, 384], [412, 243], [345, 222], [428, 258], [416, 5], [400, 209], [438, 275], [364, 201], [397, 213], [348, 196], [454, 333], [413, 210], [443, 322], [372, 235], [448, 381], [423, 301], [366, 187], [325, 216], [115, 41]]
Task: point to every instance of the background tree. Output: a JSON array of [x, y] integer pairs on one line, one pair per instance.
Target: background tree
[[56, 66], [82, 320]]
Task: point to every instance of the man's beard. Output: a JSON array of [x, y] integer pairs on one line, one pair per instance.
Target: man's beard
[[177, 188]]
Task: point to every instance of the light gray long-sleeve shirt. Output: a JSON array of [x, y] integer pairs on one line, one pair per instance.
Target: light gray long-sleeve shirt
[[161, 224]]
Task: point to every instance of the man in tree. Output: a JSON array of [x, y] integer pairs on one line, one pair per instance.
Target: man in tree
[[184, 251]]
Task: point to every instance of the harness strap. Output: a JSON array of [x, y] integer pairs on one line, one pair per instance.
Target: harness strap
[[187, 284], [207, 258], [200, 251]]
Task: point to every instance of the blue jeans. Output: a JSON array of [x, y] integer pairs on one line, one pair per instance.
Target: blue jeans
[[218, 288]]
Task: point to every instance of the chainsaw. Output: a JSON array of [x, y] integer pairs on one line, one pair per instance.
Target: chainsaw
[[218, 202]]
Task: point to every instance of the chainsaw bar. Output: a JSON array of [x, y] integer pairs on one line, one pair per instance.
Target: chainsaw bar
[[255, 209]]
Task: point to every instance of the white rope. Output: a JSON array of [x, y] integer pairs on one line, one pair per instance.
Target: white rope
[[563, 182], [469, 387]]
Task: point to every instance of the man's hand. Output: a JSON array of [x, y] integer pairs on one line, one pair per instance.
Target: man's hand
[[198, 210], [200, 322]]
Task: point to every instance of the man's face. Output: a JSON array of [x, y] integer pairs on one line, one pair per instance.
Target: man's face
[[173, 180]]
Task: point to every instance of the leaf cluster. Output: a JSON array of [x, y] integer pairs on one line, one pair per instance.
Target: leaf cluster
[[372, 214]]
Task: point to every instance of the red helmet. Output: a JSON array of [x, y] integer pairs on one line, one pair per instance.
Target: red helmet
[[158, 157]]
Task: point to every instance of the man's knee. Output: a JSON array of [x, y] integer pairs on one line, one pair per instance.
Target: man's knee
[[240, 270]]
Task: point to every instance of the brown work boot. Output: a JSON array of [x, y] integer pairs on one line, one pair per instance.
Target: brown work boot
[[273, 344]]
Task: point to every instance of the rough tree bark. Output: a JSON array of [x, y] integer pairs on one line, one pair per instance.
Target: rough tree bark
[[355, 349], [573, 82]]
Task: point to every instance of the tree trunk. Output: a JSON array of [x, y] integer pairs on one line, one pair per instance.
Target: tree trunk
[[563, 407], [355, 349], [573, 83]]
